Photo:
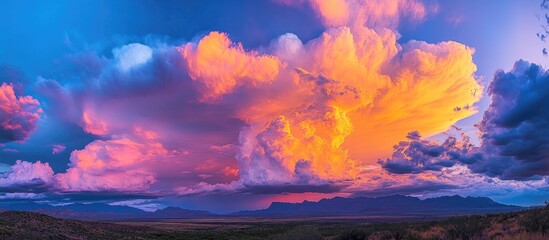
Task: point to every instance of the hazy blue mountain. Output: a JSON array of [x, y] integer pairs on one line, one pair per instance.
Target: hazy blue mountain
[[393, 205], [101, 211], [338, 206]]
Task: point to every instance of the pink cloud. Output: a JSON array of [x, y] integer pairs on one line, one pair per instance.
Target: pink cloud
[[116, 165], [18, 115], [371, 13], [58, 148]]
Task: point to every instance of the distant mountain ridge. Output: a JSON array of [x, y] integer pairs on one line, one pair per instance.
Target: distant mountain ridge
[[338, 206], [389, 205], [102, 211]]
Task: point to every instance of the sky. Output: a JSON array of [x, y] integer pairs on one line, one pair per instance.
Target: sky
[[231, 105]]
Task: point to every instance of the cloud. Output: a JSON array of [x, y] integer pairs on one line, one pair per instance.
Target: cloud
[[218, 66], [515, 126], [280, 154], [143, 204], [115, 167], [112, 165], [420, 187], [284, 189], [205, 188], [371, 13], [18, 115], [58, 148], [418, 155], [10, 150], [132, 55], [513, 133], [27, 176], [14, 196], [543, 17]]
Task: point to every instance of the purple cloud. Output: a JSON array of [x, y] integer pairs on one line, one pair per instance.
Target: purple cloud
[[58, 148], [515, 128]]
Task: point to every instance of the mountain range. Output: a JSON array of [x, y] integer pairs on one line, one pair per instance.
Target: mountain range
[[338, 206], [102, 211], [389, 205]]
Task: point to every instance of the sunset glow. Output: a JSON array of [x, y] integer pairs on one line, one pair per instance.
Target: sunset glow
[[287, 101]]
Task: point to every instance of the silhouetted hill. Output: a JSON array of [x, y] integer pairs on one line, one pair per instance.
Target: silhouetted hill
[[28, 225], [175, 212], [389, 205], [101, 211]]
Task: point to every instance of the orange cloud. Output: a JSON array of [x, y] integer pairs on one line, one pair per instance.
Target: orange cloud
[[353, 94], [433, 86], [333, 12], [297, 148], [218, 66]]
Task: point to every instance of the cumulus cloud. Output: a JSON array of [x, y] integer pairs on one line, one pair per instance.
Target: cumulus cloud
[[419, 155], [218, 66], [515, 126], [112, 165], [118, 165], [19, 115], [132, 55], [26, 176]]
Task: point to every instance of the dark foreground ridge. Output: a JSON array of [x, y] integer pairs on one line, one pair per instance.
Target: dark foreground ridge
[[526, 224], [29, 225]]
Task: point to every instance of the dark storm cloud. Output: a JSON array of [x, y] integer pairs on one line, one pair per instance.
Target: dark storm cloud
[[418, 155], [100, 196], [515, 128], [278, 189], [421, 187], [31, 186]]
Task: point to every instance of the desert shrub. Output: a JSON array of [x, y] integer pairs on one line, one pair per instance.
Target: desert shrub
[[377, 231], [353, 234], [300, 233], [536, 221]]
